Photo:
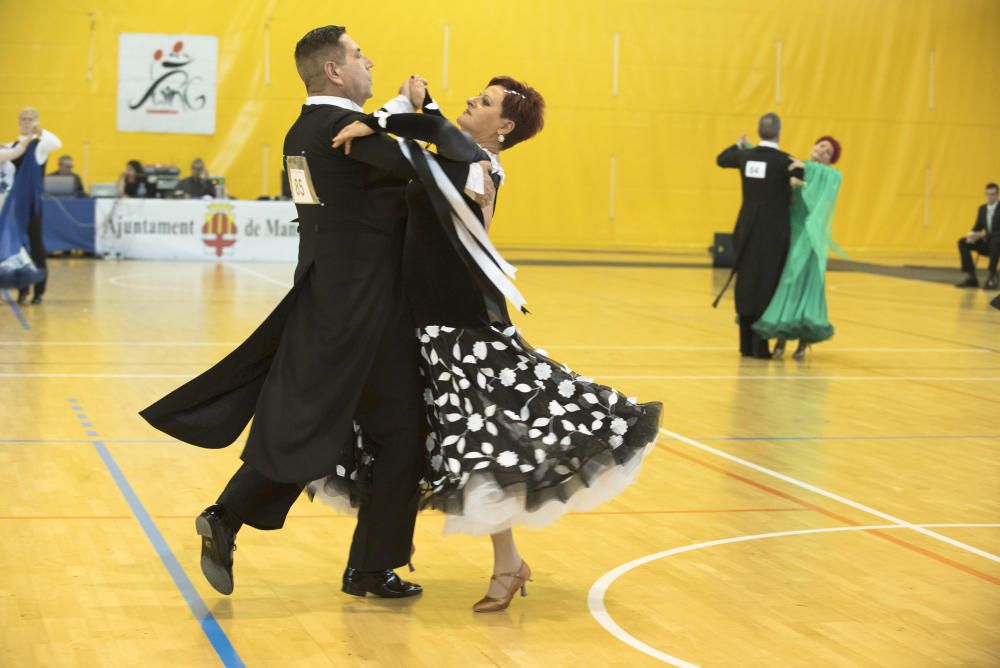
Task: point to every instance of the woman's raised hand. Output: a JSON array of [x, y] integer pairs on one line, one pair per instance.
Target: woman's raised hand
[[418, 88], [414, 88]]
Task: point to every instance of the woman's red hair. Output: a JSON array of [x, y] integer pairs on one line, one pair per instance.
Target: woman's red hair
[[836, 148], [522, 104]]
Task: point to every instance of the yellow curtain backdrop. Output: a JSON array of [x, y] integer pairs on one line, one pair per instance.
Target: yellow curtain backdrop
[[642, 94]]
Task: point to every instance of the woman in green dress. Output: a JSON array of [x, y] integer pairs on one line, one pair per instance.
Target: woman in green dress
[[798, 308]]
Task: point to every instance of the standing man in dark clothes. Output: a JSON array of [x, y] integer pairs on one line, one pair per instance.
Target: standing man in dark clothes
[[762, 229]]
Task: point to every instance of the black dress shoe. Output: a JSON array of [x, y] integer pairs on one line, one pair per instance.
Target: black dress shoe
[[969, 282], [992, 282], [22, 296], [218, 542], [37, 299], [380, 583]]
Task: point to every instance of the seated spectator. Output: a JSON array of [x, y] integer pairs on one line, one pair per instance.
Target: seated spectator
[[66, 169], [199, 184], [984, 239], [132, 183]]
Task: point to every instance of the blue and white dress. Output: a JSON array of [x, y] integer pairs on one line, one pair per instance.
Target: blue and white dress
[[23, 200]]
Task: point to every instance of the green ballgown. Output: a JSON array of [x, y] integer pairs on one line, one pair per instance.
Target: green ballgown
[[798, 308]]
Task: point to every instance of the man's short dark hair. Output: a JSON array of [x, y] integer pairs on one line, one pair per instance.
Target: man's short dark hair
[[315, 43], [769, 126], [65, 157], [992, 186]]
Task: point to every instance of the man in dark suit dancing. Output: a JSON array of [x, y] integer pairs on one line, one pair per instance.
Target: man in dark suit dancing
[[763, 229], [983, 239], [338, 350]]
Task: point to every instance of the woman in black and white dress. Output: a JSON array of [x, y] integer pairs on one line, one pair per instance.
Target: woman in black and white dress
[[514, 436]]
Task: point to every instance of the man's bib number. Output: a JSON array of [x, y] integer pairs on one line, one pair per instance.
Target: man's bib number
[[299, 180], [755, 169]]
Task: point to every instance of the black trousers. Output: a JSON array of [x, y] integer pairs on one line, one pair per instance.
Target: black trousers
[[391, 414], [988, 247], [751, 344], [37, 250]]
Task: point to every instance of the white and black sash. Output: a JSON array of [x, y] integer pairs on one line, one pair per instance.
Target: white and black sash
[[469, 232]]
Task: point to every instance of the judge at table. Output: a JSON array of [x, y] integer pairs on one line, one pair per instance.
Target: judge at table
[[66, 169], [198, 184]]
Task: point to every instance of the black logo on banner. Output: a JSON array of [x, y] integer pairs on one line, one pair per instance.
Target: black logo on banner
[[171, 84]]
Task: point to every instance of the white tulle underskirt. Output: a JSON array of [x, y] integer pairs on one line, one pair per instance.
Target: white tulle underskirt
[[489, 508]]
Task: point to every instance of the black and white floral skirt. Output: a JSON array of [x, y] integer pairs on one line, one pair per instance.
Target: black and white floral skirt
[[515, 438]]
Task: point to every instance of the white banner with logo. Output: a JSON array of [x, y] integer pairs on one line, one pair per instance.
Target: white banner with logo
[[166, 83], [215, 230]]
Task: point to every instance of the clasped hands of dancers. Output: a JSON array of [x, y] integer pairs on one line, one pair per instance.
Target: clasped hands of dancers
[[781, 241], [390, 377]]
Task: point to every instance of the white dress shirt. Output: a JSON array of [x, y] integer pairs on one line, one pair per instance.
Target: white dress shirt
[[335, 101], [990, 208], [769, 143], [399, 105]]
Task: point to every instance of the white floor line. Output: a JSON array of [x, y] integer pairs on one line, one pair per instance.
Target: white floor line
[[830, 495], [260, 275], [598, 609]]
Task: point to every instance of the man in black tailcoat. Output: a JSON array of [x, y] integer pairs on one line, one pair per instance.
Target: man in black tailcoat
[[763, 229], [339, 348]]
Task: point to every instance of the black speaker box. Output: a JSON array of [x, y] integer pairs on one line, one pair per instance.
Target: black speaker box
[[722, 250]]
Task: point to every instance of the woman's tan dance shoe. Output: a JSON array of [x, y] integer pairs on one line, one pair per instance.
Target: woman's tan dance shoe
[[518, 581]]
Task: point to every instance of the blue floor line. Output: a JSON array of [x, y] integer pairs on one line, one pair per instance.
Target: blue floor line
[[220, 641], [16, 309]]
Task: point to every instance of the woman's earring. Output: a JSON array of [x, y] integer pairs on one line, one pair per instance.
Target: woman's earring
[[500, 138]]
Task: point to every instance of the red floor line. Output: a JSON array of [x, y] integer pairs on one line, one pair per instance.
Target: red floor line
[[840, 518], [345, 517]]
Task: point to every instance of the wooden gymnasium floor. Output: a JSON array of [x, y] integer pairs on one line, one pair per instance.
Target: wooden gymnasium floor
[[843, 511]]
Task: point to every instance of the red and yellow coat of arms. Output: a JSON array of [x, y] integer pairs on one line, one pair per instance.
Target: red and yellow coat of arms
[[219, 230]]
